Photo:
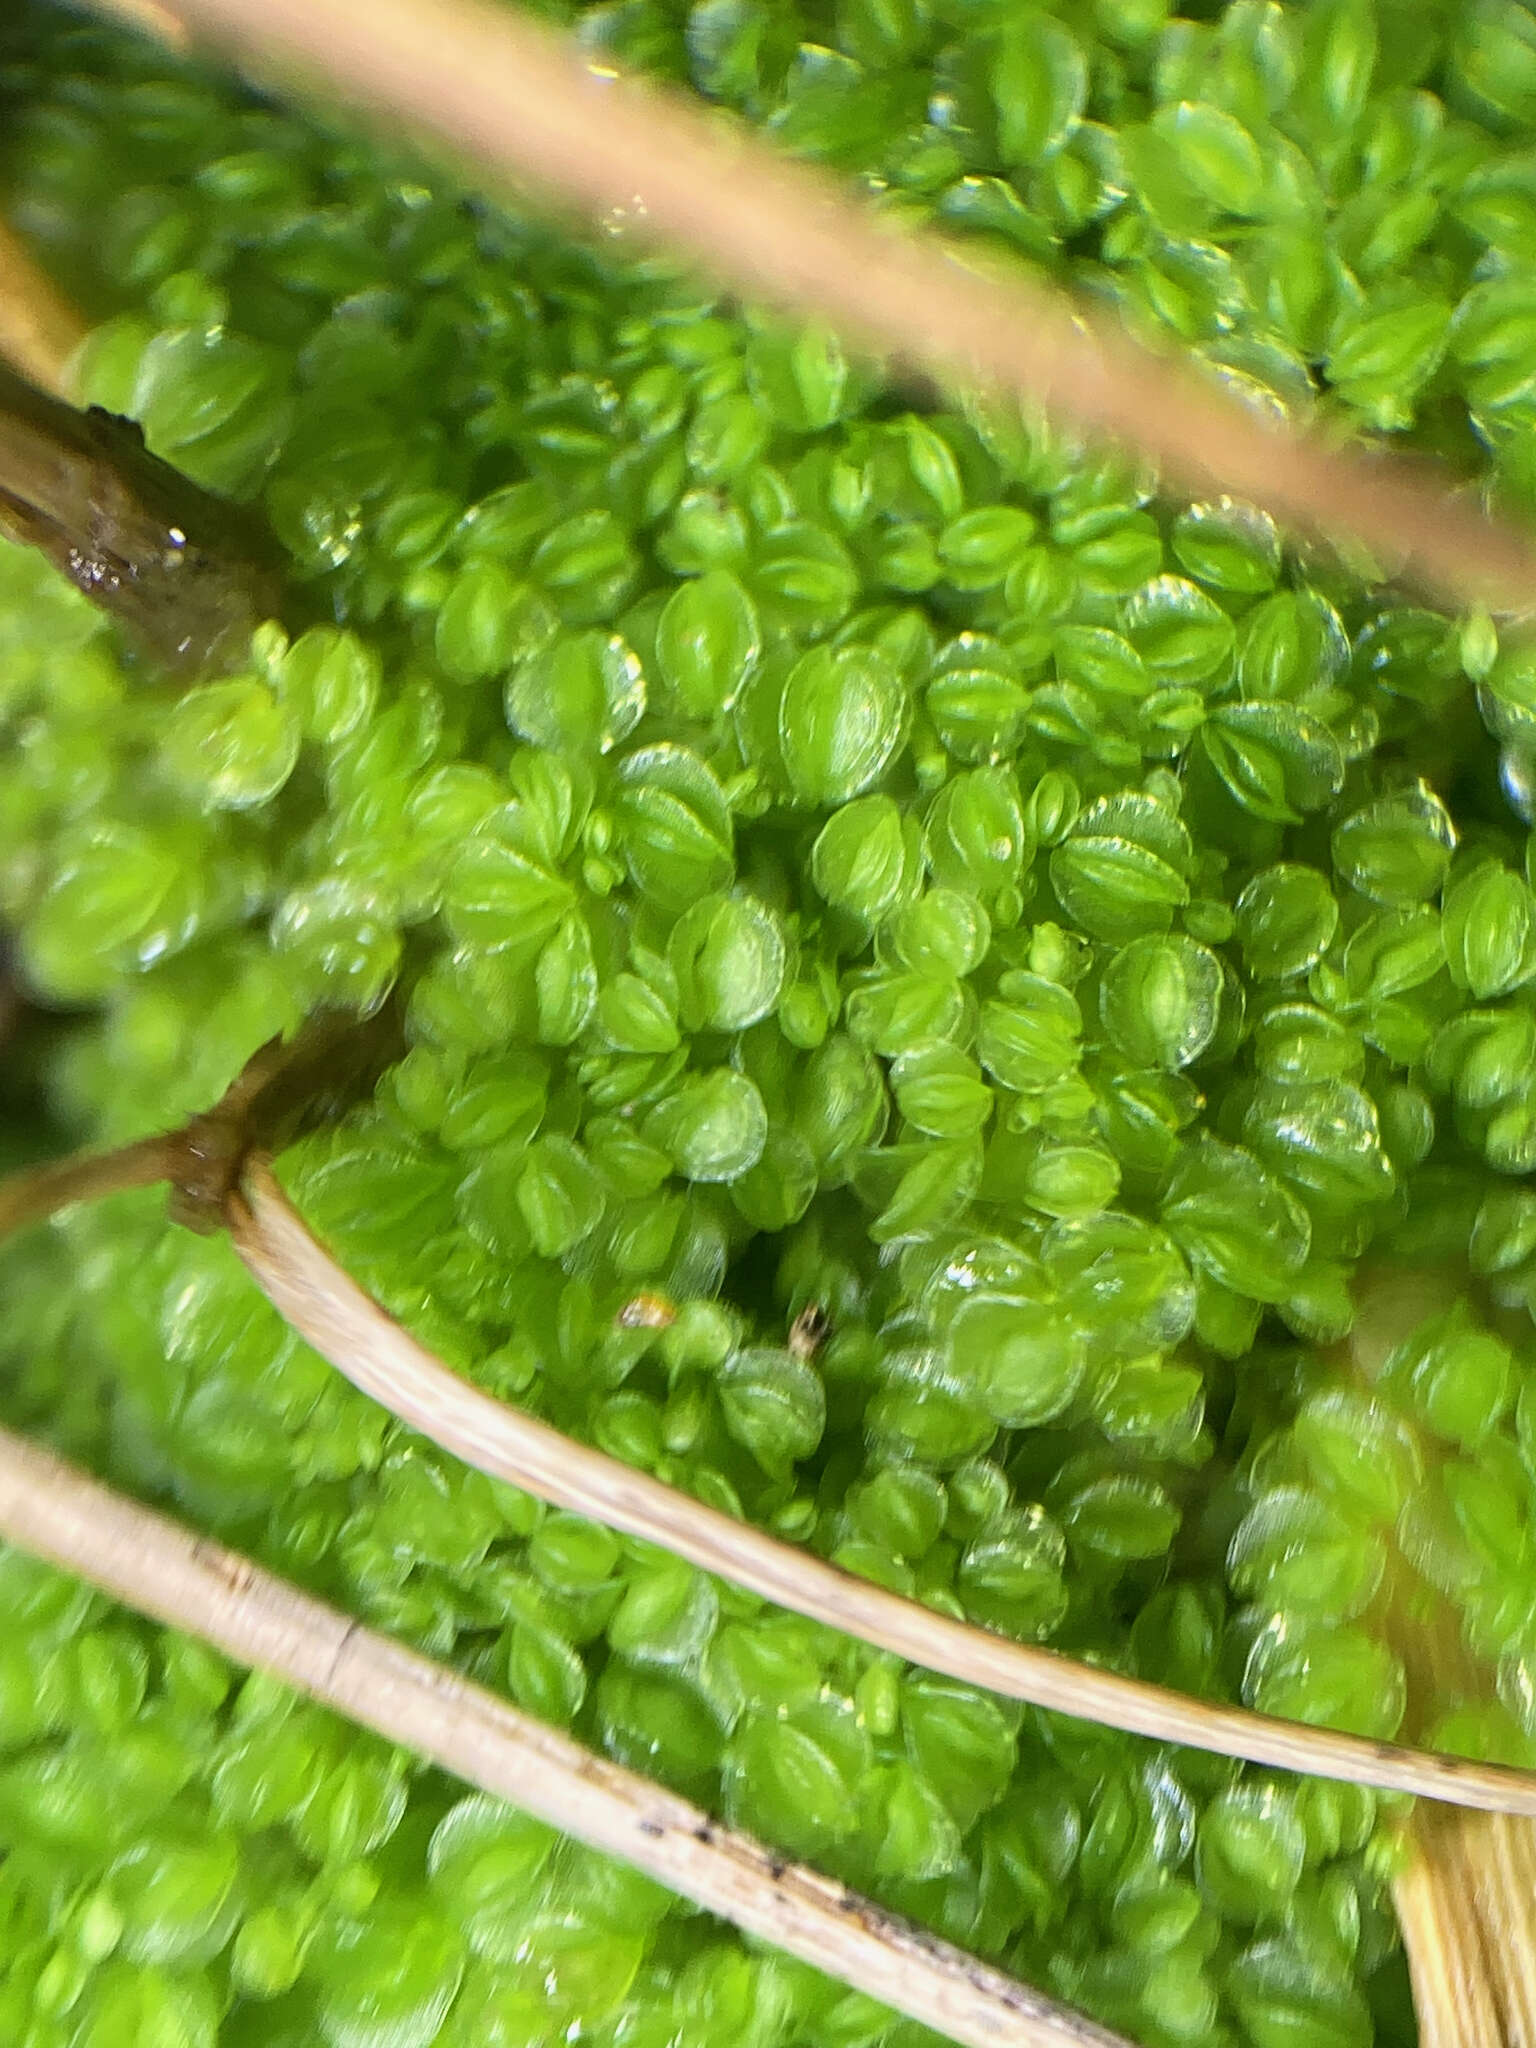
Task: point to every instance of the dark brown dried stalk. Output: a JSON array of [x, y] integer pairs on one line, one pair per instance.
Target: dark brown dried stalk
[[188, 575]]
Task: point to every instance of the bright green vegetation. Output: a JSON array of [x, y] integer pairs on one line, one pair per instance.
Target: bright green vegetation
[[840, 849]]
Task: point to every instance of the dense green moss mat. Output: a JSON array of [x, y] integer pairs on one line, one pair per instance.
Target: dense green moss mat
[[837, 848]]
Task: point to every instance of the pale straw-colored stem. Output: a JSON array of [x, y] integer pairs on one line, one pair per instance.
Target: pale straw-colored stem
[[517, 102], [1466, 1902], [344, 1324], [164, 1570], [39, 329]]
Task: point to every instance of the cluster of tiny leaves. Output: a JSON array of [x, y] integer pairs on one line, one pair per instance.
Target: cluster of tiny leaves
[[841, 848]]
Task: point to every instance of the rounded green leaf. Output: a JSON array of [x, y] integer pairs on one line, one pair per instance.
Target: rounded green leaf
[[487, 621], [1039, 86], [1182, 635], [713, 1126], [1229, 545], [673, 826], [483, 1860], [774, 1406], [1396, 850], [729, 957], [496, 897], [859, 860], [1121, 870], [841, 720], [1489, 924], [230, 746], [1216, 153], [707, 643], [1252, 1849], [1286, 919], [1031, 1040], [1160, 999], [1020, 1360], [978, 838], [390, 1981], [1236, 1221], [584, 691]]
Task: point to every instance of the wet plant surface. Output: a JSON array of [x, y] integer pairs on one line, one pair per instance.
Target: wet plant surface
[[839, 851]]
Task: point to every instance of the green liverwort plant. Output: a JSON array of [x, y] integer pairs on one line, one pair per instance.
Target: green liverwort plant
[[852, 858]]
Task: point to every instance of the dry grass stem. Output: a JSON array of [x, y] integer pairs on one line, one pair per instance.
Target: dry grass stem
[[518, 103], [345, 1325], [1466, 1903], [164, 1570], [39, 329]]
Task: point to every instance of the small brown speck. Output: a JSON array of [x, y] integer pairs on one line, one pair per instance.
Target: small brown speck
[[646, 1312], [809, 1331]]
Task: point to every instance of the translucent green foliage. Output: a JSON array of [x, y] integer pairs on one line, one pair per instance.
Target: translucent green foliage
[[1339, 1677], [707, 643], [1359, 1451], [859, 861], [713, 1126], [390, 1978], [1023, 1360], [487, 620], [978, 838], [1237, 1222], [840, 721], [794, 1776], [1490, 932], [1229, 546], [1251, 1852], [728, 955], [330, 681], [1160, 998], [585, 691], [1039, 84], [774, 1406], [213, 402], [1122, 868], [1458, 1378], [1396, 851], [1030, 1038], [230, 745], [1286, 918], [944, 989], [1273, 760], [672, 825], [1296, 1554]]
